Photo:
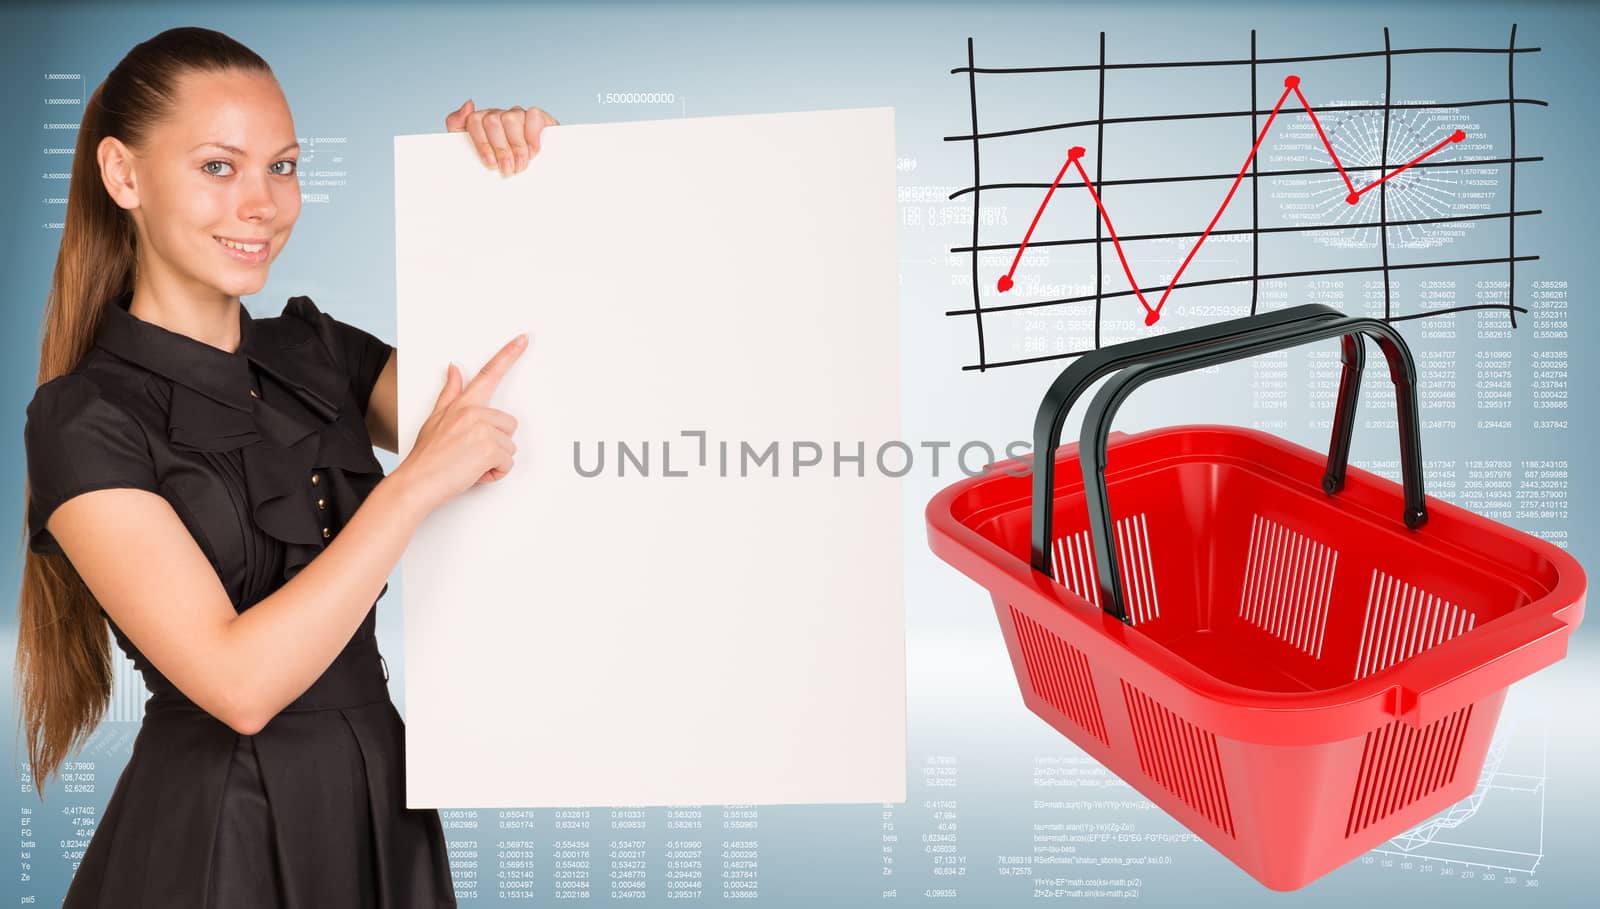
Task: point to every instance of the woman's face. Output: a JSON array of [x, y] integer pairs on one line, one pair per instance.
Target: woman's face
[[222, 166]]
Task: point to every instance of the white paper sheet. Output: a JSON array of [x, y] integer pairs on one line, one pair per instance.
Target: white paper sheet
[[709, 638]]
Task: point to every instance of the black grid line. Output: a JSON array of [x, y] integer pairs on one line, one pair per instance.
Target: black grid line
[[1386, 267], [1297, 172], [1255, 189], [1315, 58], [1270, 276], [1511, 116], [977, 213], [1078, 353], [1383, 164], [1240, 231], [1099, 184], [1222, 115]]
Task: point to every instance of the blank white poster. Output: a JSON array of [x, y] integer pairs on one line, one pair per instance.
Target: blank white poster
[[689, 589]]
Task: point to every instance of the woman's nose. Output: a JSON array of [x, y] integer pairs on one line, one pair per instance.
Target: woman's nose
[[256, 202]]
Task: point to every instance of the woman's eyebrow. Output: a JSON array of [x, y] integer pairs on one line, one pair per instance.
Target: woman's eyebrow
[[240, 151]]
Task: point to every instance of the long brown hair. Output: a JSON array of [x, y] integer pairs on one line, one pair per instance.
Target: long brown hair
[[64, 668]]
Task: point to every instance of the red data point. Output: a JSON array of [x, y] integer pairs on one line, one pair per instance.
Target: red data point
[[1353, 198], [1457, 136], [1292, 82], [1074, 153], [1151, 316], [1005, 283]]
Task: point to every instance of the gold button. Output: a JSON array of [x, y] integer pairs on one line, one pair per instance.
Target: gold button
[[326, 533], [315, 479], [322, 503]]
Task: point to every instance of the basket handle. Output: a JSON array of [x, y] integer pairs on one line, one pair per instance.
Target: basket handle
[[1073, 381], [1097, 423]]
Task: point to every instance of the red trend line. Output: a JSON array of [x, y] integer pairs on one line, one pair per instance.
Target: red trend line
[[1292, 84], [1073, 154], [1456, 136], [1106, 217], [1075, 159]]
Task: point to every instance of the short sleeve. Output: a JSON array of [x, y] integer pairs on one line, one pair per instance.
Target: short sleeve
[[77, 441], [362, 354]]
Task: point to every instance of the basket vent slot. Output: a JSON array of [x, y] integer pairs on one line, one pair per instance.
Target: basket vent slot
[[1180, 756], [1073, 561], [1074, 566], [1059, 673], [1288, 581], [1402, 621], [1138, 570], [1401, 764]]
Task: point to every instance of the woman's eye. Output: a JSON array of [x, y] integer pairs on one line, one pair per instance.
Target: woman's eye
[[282, 173]]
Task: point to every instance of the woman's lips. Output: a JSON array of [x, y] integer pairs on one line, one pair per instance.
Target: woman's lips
[[243, 255]]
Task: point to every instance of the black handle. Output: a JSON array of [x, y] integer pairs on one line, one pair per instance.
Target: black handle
[[1076, 379], [1097, 423]]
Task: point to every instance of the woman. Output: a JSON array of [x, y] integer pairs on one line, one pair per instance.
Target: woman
[[204, 482]]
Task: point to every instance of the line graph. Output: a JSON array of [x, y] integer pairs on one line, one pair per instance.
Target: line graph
[[1419, 214], [1153, 313]]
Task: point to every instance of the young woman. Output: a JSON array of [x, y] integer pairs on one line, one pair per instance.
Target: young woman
[[203, 482]]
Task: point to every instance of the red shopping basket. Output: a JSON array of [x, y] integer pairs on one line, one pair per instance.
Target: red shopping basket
[[1295, 659]]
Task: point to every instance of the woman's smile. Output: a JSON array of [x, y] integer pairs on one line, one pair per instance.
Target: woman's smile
[[253, 253]]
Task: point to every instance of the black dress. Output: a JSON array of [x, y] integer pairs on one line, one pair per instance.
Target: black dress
[[264, 455]]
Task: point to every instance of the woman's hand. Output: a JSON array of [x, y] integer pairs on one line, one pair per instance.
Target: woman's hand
[[464, 441], [507, 137]]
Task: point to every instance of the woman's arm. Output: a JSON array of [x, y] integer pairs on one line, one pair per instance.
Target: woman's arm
[[145, 569], [383, 409], [148, 573], [506, 138]]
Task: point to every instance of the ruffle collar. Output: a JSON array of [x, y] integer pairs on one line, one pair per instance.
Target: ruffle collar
[[305, 419]]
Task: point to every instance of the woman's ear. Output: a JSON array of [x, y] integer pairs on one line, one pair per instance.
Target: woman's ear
[[117, 172]]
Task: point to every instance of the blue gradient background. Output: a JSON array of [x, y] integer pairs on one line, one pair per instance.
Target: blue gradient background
[[366, 72]]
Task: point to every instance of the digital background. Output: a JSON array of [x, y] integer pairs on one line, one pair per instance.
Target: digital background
[[1001, 810]]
